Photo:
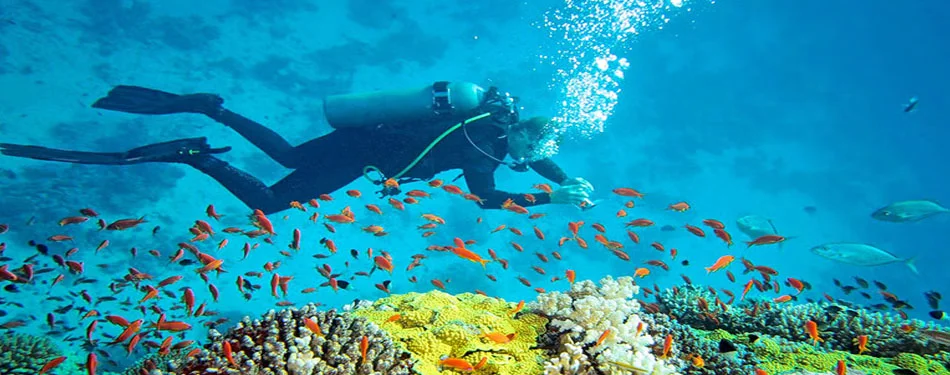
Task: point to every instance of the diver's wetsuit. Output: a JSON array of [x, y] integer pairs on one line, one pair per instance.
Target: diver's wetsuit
[[330, 162]]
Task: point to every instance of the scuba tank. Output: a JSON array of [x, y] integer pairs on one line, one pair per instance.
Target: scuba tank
[[438, 102]]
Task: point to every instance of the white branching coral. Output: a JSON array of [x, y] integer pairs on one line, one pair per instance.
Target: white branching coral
[[585, 313]]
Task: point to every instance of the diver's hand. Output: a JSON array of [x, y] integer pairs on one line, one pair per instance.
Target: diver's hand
[[579, 181], [576, 194]]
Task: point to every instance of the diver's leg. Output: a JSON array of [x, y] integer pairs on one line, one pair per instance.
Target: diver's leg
[[300, 185], [143, 100], [275, 146], [177, 151]]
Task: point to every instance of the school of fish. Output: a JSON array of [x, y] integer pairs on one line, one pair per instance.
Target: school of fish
[[152, 309]]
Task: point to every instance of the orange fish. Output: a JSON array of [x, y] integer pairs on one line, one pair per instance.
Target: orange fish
[[543, 187], [639, 223], [862, 343], [517, 308], [724, 236], [92, 363], [469, 255], [721, 263], [641, 272], [841, 369], [51, 364], [499, 338], [313, 326], [364, 345], [603, 336], [767, 239], [811, 328], [795, 283], [679, 207], [667, 346], [714, 224], [782, 298], [697, 231], [456, 363], [633, 236], [570, 275], [627, 192], [226, 348], [538, 233]]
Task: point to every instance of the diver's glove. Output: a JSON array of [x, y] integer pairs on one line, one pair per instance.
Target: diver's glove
[[578, 181], [576, 194]]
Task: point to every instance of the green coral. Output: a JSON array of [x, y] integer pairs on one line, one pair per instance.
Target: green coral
[[436, 324], [716, 335], [777, 358], [25, 354], [918, 364]]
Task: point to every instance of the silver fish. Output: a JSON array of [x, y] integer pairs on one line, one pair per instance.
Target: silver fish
[[860, 254], [755, 226], [939, 337], [908, 211]]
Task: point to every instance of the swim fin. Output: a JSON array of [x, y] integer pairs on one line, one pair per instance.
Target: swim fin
[[177, 151], [142, 100]]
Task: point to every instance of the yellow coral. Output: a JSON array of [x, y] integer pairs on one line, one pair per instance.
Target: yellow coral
[[720, 334], [808, 357], [919, 364], [434, 324]]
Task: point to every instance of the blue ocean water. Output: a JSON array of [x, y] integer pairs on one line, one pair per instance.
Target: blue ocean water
[[737, 108]]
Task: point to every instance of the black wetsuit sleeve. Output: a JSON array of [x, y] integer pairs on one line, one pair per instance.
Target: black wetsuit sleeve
[[482, 183], [549, 170]]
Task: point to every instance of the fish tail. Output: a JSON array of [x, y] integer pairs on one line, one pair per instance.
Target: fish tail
[[483, 262], [910, 264]]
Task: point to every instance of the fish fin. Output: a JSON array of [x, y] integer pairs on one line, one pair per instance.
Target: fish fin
[[771, 224], [910, 264]]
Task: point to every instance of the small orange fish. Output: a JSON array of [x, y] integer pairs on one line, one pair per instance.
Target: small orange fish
[[543, 187], [364, 345], [841, 369], [640, 223], [456, 363], [570, 275], [679, 207], [517, 308], [627, 192], [782, 298], [721, 263], [862, 343], [697, 231], [499, 338], [714, 224], [226, 348], [51, 364], [641, 272], [667, 346], [767, 239], [603, 336], [811, 328]]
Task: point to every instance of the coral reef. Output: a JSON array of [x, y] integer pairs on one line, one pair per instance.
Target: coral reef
[[282, 343], [436, 324], [25, 354], [780, 356], [604, 322], [838, 325], [705, 344]]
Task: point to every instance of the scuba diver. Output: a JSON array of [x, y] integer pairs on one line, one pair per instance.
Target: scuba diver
[[401, 136]]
